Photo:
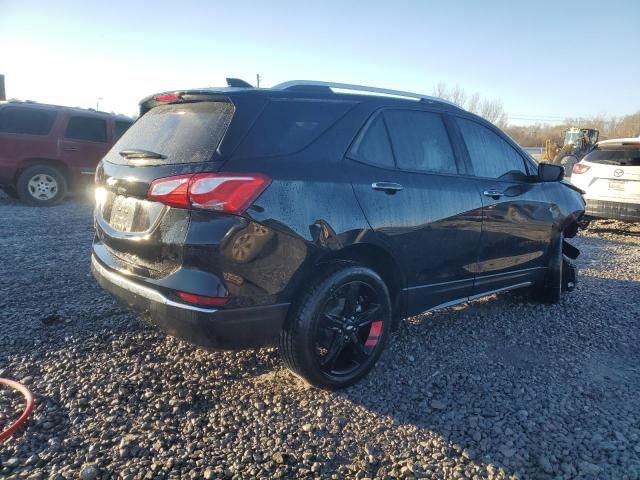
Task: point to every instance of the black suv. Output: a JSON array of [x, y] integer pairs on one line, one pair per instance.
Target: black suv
[[237, 217]]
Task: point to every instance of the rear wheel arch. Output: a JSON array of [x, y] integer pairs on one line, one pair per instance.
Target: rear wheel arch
[[380, 261]]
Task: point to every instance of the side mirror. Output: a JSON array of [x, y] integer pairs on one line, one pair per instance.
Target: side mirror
[[548, 172]]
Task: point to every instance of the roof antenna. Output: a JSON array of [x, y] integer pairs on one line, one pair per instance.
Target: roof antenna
[[238, 83]]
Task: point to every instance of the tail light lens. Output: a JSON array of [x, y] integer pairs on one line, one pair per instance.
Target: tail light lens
[[221, 192], [201, 300], [580, 168], [172, 191]]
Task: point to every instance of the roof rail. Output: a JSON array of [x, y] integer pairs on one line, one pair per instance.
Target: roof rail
[[358, 88]]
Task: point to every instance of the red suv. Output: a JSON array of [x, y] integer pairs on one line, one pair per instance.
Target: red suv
[[48, 150]]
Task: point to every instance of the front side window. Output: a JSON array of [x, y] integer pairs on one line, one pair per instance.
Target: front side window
[[88, 129], [420, 141], [491, 156], [27, 121], [373, 144]]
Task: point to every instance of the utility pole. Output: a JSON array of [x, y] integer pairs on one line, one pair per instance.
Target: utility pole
[[257, 80], [98, 104], [3, 94]]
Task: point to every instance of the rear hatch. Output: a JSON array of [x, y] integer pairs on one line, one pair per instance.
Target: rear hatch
[[613, 173], [178, 138]]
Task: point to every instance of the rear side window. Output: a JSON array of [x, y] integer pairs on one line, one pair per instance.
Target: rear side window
[[615, 155], [181, 132], [420, 141], [288, 126], [28, 121], [88, 129], [373, 145], [491, 156], [119, 128]]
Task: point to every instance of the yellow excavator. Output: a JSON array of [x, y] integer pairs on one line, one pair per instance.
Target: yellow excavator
[[577, 143]]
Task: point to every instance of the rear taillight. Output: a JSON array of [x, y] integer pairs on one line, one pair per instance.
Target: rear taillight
[[172, 191], [221, 192], [580, 168]]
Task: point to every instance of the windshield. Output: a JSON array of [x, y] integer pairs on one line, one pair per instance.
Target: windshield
[[178, 133], [572, 138]]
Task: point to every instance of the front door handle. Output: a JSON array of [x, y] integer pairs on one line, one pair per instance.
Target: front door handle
[[388, 187], [70, 149], [493, 193]]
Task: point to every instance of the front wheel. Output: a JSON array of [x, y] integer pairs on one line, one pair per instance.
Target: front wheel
[[550, 291], [336, 332], [41, 185]]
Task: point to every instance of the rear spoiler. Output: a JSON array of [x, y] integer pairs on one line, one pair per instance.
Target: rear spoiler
[[183, 96]]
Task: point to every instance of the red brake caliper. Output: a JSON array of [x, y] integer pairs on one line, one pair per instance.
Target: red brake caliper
[[374, 334]]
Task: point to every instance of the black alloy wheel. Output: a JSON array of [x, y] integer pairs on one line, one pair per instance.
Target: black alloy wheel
[[338, 329], [349, 329]]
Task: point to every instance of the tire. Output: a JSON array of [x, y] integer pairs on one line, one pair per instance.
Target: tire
[[338, 329], [568, 162], [551, 289], [41, 185]]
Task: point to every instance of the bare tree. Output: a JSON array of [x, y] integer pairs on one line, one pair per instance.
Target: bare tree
[[491, 109], [474, 103]]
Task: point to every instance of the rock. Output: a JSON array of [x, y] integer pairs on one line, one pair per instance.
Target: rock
[[278, 457], [89, 472], [508, 452], [589, 468], [315, 468], [209, 474], [307, 427], [438, 405], [11, 463], [545, 464]]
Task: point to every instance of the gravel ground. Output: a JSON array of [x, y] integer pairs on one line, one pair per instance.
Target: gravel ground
[[497, 388]]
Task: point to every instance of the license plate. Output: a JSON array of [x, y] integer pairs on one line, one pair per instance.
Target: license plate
[[616, 185], [122, 213]]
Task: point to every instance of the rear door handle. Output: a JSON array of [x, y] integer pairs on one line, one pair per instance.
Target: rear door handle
[[493, 193], [388, 187], [70, 149]]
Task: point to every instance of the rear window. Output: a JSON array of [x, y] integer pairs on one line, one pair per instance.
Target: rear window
[[28, 121], [87, 129], [615, 155], [119, 128], [288, 126], [181, 132], [373, 145], [420, 141]]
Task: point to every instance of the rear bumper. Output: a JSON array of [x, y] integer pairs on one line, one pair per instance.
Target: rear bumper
[[613, 210], [214, 329]]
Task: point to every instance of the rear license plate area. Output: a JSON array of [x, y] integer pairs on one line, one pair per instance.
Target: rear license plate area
[[123, 212], [617, 185]]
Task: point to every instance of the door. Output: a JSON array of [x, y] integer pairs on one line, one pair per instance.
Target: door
[[84, 143], [517, 218], [405, 175]]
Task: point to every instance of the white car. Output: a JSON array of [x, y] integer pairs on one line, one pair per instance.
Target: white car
[[610, 176]]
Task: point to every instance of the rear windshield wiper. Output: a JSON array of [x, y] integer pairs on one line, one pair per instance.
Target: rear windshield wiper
[[138, 153]]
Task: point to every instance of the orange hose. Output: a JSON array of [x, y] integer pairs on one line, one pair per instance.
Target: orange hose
[[28, 408]]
